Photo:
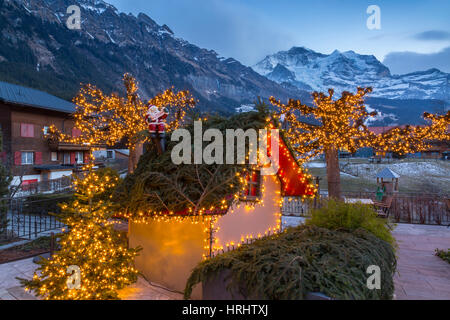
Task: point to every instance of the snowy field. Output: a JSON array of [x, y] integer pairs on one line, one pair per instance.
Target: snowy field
[[429, 176]]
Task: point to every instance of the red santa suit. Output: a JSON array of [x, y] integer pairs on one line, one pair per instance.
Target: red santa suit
[[155, 119]]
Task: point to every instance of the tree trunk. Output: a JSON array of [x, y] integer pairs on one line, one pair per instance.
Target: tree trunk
[[135, 154], [333, 173]]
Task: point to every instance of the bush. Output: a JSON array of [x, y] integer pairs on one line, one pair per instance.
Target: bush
[[338, 215], [301, 260], [444, 255]]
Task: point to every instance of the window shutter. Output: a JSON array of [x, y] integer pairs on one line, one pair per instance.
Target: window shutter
[[86, 157], [247, 179], [17, 158], [27, 130], [38, 157], [76, 132], [72, 158], [23, 130], [254, 187]]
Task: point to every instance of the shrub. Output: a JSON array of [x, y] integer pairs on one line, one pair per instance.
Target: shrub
[[444, 255], [301, 260], [338, 215]]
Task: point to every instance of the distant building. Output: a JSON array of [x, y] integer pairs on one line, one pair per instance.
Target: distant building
[[111, 154], [25, 116]]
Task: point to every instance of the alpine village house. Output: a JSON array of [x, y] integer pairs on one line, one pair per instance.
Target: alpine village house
[[25, 116]]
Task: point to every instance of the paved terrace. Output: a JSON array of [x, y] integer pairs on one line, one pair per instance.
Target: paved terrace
[[421, 275]]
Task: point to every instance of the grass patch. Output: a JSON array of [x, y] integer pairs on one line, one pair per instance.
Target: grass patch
[[35, 247]]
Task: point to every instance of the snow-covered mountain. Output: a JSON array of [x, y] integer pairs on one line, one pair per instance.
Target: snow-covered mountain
[[310, 70]]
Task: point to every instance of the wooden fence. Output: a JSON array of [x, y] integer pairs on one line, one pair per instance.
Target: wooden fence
[[406, 207]]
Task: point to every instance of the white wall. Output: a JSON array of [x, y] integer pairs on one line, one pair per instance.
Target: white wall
[[244, 220], [60, 174]]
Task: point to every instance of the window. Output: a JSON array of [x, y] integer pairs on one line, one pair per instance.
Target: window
[[79, 157], [27, 130], [253, 190], [45, 130], [54, 156], [109, 154], [27, 157], [66, 157]]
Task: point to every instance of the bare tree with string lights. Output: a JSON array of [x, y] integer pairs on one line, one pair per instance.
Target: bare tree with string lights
[[109, 119], [330, 125]]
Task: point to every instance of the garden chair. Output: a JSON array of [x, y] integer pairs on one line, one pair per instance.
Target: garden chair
[[383, 207]]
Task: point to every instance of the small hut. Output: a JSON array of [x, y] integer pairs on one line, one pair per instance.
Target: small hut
[[388, 180], [181, 214]]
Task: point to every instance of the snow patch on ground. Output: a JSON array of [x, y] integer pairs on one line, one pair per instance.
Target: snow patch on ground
[[315, 165], [412, 169]]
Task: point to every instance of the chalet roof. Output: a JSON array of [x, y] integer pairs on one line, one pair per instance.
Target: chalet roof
[[19, 95], [380, 130], [125, 152], [387, 173]]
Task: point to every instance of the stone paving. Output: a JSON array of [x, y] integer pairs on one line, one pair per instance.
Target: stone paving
[[421, 275], [10, 288]]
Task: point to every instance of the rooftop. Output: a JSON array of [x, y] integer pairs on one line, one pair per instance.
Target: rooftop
[[16, 94], [387, 173]]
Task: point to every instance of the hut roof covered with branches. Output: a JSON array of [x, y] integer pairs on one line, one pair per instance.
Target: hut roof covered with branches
[[160, 187]]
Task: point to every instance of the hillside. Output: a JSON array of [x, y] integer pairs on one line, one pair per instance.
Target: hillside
[[39, 51]]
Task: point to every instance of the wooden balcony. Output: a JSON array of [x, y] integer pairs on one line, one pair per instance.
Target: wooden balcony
[[55, 145]]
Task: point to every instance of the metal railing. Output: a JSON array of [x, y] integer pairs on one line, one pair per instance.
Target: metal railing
[[28, 218], [47, 186]]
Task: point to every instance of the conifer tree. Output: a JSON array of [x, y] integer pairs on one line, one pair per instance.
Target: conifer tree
[[93, 261], [5, 180]]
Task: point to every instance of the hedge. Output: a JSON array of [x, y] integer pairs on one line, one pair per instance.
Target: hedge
[[301, 260]]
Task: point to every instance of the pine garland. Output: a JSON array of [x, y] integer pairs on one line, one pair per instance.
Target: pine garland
[[301, 260]]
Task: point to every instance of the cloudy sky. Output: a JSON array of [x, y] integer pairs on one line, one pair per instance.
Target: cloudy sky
[[414, 34]]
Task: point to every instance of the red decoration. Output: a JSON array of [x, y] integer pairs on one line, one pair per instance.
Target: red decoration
[[155, 119]]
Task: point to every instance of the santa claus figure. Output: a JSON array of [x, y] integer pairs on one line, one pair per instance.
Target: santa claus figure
[[155, 119]]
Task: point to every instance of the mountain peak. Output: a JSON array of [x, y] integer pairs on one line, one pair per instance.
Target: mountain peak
[[345, 71]]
